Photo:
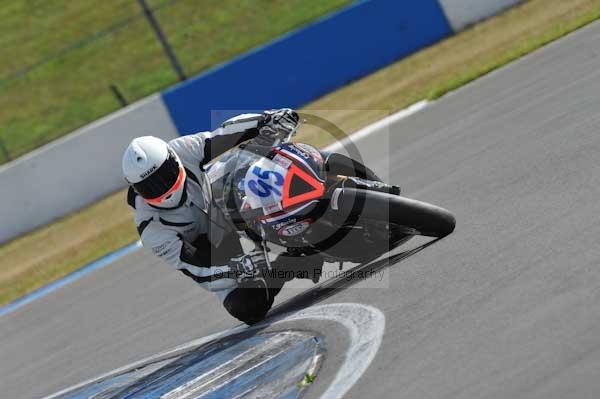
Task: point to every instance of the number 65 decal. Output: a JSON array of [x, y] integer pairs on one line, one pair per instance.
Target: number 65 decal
[[263, 187]]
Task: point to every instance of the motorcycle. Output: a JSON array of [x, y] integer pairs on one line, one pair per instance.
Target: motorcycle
[[313, 202]]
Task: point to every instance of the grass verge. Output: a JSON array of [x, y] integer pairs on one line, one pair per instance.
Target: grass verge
[[53, 251], [59, 58]]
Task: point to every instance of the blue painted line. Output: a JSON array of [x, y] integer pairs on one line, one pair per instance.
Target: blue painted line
[[69, 278]]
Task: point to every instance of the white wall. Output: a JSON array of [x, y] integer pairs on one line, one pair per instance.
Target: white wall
[[75, 170], [462, 13]]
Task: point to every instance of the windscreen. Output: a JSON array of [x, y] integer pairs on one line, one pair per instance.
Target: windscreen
[[227, 177]]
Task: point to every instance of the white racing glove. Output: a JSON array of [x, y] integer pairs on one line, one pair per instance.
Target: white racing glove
[[249, 266], [278, 123]]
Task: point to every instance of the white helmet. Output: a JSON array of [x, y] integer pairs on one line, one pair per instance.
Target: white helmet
[[154, 171]]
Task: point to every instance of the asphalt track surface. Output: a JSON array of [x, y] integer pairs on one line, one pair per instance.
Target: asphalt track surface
[[506, 307]]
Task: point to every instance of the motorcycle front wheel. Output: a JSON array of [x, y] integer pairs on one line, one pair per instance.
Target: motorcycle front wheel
[[416, 217]]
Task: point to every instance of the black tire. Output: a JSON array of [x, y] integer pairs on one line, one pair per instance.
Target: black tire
[[418, 217]]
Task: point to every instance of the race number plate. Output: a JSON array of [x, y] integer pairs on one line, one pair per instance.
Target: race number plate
[[263, 184]]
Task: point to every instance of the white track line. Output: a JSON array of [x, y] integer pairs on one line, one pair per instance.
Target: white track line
[[377, 126], [366, 326]]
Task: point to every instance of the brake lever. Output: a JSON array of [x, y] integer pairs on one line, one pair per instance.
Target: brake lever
[[292, 133]]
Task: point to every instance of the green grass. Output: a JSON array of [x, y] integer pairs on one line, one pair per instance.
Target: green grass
[[525, 47], [82, 47], [59, 248]]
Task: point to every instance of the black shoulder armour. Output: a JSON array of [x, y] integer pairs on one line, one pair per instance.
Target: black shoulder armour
[[131, 194]]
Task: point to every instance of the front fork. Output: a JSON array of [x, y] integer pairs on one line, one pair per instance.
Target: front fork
[[340, 182], [344, 171], [262, 245], [364, 184]]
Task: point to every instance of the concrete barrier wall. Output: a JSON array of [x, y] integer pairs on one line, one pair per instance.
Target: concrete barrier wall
[[76, 170], [309, 62], [462, 13]]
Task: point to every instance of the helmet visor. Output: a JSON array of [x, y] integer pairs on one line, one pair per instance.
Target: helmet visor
[[160, 182]]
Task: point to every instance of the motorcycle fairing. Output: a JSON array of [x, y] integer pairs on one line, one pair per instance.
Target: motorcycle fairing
[[287, 178], [305, 156]]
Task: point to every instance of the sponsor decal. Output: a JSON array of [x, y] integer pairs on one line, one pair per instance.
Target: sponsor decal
[[287, 214], [294, 229], [283, 223], [162, 249], [269, 209], [148, 172], [297, 151], [282, 161]]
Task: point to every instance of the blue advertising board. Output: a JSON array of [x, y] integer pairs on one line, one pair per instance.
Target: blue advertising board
[[307, 63]]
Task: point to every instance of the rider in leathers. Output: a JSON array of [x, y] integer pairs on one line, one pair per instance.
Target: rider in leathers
[[179, 225]]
